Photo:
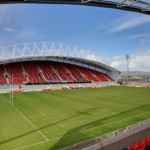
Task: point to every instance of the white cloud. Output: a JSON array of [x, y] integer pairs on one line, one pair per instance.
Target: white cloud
[[118, 61], [138, 61], [140, 35], [5, 13], [98, 58], [28, 32], [129, 21], [10, 23], [9, 29]]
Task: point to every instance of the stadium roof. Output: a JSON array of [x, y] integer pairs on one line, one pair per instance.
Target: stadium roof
[[70, 60], [47, 51], [142, 6]]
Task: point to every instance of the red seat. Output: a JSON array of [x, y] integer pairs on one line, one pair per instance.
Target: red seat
[[138, 145], [43, 71], [131, 147], [145, 142], [148, 140]]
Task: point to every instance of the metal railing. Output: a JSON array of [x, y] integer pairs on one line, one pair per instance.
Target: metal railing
[[107, 136]]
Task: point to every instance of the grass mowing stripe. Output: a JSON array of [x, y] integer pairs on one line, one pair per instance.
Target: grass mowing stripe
[[35, 116], [100, 126], [57, 138], [112, 112], [30, 145], [70, 107], [36, 129], [31, 124]]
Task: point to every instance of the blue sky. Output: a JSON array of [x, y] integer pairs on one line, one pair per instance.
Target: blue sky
[[110, 34]]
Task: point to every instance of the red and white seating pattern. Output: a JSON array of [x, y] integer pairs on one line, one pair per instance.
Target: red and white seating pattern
[[44, 71], [16, 71], [2, 79]]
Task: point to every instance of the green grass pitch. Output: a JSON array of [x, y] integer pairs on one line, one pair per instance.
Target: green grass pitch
[[55, 119]]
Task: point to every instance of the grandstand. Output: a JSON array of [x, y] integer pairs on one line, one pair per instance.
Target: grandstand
[[95, 118], [56, 119], [41, 110], [27, 68], [49, 72]]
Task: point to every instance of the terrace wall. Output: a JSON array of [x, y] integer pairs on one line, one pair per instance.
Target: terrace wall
[[123, 141], [112, 141]]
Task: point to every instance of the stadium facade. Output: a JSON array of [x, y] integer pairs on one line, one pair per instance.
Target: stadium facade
[[46, 62]]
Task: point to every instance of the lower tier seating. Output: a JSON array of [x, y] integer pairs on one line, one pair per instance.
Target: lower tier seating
[[144, 144], [45, 71]]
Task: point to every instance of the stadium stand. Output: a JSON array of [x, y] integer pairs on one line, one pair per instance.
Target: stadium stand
[[89, 75], [139, 84], [48, 72], [144, 144], [33, 72], [16, 71], [134, 137], [2, 78]]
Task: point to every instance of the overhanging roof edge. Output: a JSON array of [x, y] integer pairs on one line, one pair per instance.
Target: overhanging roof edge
[[51, 58], [141, 6]]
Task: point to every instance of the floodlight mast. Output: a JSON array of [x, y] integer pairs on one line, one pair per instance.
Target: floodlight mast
[[127, 58]]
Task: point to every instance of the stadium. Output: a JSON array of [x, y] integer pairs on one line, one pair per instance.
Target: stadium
[[55, 63], [54, 97]]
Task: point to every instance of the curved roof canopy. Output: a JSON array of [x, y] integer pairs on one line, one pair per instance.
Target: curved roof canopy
[[47, 51], [69, 60], [142, 6]]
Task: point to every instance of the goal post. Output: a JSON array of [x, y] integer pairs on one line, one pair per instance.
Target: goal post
[[11, 97]]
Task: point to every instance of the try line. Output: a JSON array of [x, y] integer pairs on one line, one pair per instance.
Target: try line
[[36, 129]]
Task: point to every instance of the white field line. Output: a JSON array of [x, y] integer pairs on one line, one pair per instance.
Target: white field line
[[30, 145], [61, 125], [81, 131], [31, 124], [112, 112], [82, 121], [35, 116], [108, 111], [101, 117], [100, 126]]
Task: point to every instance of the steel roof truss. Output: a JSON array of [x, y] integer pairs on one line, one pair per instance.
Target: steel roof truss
[[125, 3]]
